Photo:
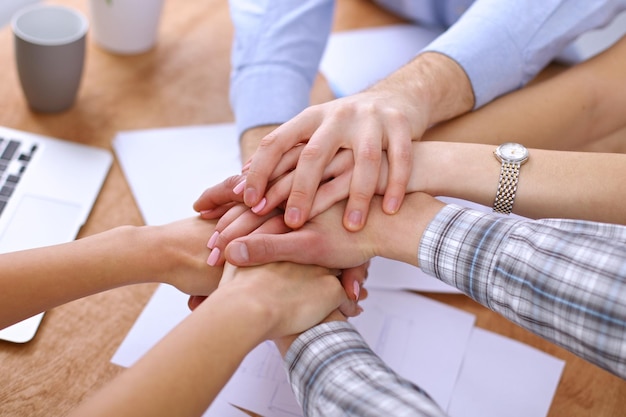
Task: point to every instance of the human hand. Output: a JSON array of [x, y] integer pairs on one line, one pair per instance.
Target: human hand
[[320, 241], [293, 297], [367, 123], [179, 255]]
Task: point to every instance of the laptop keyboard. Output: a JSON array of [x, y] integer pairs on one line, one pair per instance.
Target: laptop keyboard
[[15, 155]]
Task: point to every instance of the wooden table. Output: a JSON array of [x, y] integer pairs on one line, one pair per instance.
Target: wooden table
[[183, 81]]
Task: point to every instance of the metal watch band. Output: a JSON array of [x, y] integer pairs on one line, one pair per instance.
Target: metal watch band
[[507, 187]]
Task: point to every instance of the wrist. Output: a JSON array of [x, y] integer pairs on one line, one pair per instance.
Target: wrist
[[445, 85], [398, 236], [461, 170], [249, 141]]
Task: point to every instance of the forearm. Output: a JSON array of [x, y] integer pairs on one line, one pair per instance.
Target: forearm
[[250, 139], [35, 280], [398, 236], [331, 369], [577, 106], [436, 80], [561, 279], [503, 44], [275, 57], [579, 185], [38, 279], [184, 372]]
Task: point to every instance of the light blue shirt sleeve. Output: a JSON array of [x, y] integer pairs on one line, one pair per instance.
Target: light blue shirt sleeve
[[503, 44], [277, 49]]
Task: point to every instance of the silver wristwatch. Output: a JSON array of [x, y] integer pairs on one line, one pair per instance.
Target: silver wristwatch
[[512, 156]]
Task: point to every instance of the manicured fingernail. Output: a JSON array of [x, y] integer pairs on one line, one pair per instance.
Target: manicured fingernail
[[249, 195], [392, 206], [206, 212], [354, 219], [357, 290], [214, 256], [246, 166], [213, 239], [259, 206], [292, 216], [239, 187], [239, 253]]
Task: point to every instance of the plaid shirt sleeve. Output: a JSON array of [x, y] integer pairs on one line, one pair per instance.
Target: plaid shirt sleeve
[[333, 372], [564, 280]]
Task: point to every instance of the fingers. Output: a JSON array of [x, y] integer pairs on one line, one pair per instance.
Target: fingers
[[364, 180], [218, 195], [239, 221], [261, 248], [313, 160], [271, 150], [194, 301], [352, 281], [400, 157]]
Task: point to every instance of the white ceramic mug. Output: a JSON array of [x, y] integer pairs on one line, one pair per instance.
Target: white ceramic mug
[[50, 55], [125, 26]]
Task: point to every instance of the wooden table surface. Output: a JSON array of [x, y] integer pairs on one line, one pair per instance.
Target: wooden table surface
[[183, 81]]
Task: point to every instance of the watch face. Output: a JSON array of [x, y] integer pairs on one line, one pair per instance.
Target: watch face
[[512, 152]]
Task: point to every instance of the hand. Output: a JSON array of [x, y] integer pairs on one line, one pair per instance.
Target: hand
[[239, 221], [319, 242], [366, 123], [293, 297], [180, 253]]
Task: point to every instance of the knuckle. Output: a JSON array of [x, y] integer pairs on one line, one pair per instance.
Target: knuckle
[[369, 153], [311, 152], [268, 140]]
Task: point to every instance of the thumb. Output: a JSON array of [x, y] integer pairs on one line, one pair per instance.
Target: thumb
[[257, 249]]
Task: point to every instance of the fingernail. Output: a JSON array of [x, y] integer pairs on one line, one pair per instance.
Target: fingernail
[[292, 216], [357, 290], [239, 187], [213, 239], [249, 195], [359, 310], [206, 212], [238, 253], [354, 219], [246, 166], [392, 206], [259, 206], [214, 256]]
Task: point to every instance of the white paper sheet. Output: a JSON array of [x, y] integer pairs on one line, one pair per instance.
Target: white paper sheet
[[503, 377]]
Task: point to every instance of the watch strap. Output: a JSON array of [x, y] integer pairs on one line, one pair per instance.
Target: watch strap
[[507, 187]]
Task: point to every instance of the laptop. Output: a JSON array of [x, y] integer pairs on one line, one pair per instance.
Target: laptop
[[47, 189]]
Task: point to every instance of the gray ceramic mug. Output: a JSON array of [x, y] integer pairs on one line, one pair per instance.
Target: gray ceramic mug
[[50, 55]]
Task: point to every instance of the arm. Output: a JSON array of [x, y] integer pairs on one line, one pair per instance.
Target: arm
[[35, 280], [493, 43], [577, 106], [561, 279], [184, 372], [502, 45], [332, 369], [275, 58], [577, 185], [567, 111], [387, 116]]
